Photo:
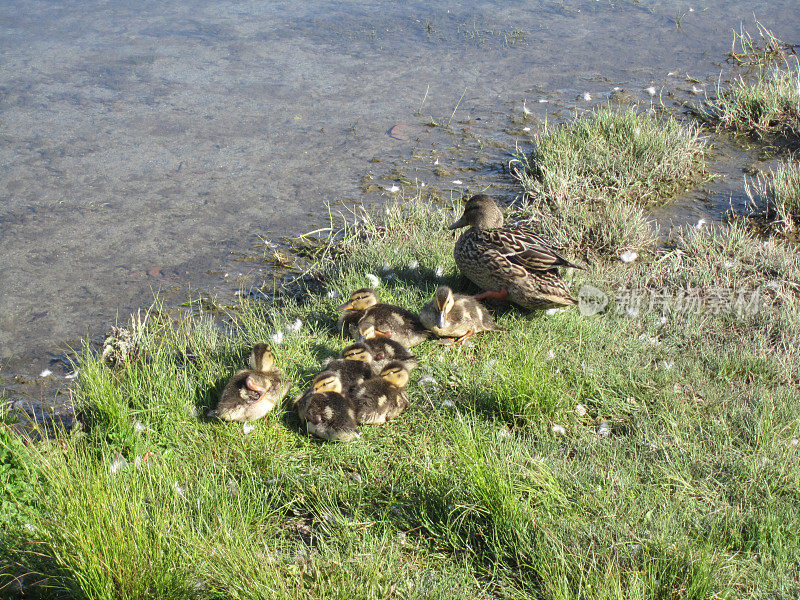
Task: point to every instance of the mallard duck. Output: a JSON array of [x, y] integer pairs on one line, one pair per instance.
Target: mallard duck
[[328, 413], [382, 398], [252, 393], [383, 349], [451, 315], [509, 261], [388, 320]]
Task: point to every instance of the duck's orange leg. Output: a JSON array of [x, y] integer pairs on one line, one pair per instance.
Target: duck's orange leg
[[469, 333], [492, 295]]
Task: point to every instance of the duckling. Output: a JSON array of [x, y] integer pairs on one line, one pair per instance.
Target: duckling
[[451, 315], [354, 368], [389, 321], [252, 393], [383, 350], [384, 397], [327, 413], [353, 310], [509, 261]]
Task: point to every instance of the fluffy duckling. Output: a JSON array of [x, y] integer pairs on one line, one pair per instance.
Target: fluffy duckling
[[353, 310], [353, 369], [383, 350], [327, 413], [451, 315], [384, 397], [388, 320], [252, 393], [509, 261]]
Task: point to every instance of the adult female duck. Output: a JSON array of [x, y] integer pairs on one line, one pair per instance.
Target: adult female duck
[[509, 261]]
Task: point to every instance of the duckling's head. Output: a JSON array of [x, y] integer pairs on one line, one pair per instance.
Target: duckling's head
[[360, 300], [318, 414], [261, 358], [445, 302], [357, 351], [367, 331], [327, 382], [480, 212], [396, 374]]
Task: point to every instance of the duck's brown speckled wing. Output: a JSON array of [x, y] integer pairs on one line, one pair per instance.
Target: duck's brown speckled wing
[[493, 266], [475, 253], [545, 289], [522, 247]]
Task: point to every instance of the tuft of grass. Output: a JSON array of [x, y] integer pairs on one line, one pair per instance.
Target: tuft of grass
[[590, 179], [779, 194], [769, 104], [615, 153], [749, 51]]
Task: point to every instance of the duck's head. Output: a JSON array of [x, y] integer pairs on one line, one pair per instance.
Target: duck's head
[[360, 300], [367, 331], [261, 358], [480, 212], [327, 382], [396, 374], [444, 302], [357, 351]]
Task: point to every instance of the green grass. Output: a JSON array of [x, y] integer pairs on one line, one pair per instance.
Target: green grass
[[768, 103], [570, 456], [779, 193], [589, 180]]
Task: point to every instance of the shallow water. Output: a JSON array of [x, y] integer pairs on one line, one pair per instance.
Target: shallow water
[[147, 148]]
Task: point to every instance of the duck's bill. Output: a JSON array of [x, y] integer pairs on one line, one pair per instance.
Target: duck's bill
[[442, 320], [458, 224], [347, 305]]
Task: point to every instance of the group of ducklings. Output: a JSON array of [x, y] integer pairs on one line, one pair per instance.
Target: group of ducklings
[[367, 384]]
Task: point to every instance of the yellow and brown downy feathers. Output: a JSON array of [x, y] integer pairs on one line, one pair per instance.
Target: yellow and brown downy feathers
[[388, 320], [326, 411], [384, 397], [252, 393], [450, 315]]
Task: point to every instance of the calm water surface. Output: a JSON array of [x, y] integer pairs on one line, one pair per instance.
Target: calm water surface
[[144, 145]]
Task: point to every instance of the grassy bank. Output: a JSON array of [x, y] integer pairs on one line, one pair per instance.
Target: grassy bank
[[648, 451]]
